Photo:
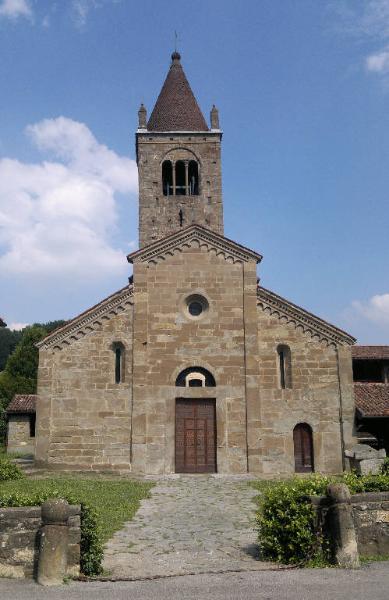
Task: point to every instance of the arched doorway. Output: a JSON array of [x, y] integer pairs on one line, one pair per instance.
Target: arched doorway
[[195, 425], [303, 448]]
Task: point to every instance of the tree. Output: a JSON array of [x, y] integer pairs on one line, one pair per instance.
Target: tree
[[8, 342], [21, 369]]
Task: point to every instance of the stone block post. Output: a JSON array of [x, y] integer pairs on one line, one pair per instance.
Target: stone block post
[[341, 526], [53, 545]]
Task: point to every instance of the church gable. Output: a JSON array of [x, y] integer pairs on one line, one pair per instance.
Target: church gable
[[89, 321], [301, 319], [194, 236]]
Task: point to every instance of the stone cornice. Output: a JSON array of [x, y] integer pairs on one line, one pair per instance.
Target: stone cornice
[[278, 307], [194, 235], [88, 321]]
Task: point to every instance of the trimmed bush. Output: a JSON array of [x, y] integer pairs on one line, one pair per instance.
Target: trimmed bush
[[8, 469], [285, 517]]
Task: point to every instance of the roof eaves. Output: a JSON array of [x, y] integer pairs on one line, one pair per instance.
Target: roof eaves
[[173, 239], [306, 318]]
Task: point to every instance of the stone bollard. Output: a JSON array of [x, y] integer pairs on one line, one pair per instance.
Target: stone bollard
[[341, 526], [53, 546]]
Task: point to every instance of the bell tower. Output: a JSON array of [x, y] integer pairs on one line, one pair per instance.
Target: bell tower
[[179, 162]]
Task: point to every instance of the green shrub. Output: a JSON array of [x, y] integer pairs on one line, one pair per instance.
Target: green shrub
[[285, 518], [8, 469]]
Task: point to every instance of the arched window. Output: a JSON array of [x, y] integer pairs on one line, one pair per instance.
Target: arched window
[[284, 366], [303, 448], [118, 350], [195, 377], [180, 178], [167, 178], [193, 178]]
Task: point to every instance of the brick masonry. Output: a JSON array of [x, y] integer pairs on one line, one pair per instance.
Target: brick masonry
[[19, 541]]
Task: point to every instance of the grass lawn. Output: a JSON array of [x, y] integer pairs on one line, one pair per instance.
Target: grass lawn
[[115, 500]]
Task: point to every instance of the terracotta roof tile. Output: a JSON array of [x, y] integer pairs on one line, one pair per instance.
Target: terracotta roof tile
[[371, 352], [176, 108], [372, 399], [22, 403]]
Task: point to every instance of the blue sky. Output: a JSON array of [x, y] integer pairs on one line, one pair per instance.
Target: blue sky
[[303, 93]]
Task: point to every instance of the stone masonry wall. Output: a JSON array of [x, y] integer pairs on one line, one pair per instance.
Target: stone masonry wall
[[87, 421], [314, 398], [83, 416], [166, 342], [18, 434], [371, 520], [19, 541], [159, 214]]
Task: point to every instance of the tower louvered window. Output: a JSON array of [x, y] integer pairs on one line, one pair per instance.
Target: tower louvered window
[[180, 178]]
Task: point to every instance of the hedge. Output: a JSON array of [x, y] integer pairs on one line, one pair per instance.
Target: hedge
[[285, 517]]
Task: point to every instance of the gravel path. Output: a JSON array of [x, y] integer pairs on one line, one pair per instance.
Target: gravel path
[[191, 524]]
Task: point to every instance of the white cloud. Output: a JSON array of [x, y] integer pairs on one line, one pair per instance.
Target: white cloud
[[57, 218], [13, 9], [369, 21], [81, 9], [378, 63], [376, 309], [17, 326]]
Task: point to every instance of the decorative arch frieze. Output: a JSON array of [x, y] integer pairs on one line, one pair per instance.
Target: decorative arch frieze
[[195, 236], [304, 321], [89, 321]]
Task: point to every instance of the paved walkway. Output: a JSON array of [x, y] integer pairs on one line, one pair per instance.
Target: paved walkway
[[191, 524]]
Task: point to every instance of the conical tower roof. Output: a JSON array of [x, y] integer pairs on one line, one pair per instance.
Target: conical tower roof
[[176, 108]]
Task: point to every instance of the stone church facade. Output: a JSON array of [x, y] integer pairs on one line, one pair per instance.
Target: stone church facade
[[193, 366]]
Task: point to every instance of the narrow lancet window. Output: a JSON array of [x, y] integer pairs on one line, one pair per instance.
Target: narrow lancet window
[[118, 350], [284, 366]]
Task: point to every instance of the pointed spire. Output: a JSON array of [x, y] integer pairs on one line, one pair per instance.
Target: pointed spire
[[214, 118], [176, 108], [142, 117]]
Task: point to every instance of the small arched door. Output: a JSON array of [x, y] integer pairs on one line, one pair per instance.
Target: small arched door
[[303, 448]]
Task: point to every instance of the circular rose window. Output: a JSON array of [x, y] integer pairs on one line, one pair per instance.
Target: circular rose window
[[196, 306]]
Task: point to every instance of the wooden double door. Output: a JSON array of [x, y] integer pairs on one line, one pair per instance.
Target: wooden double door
[[195, 436]]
